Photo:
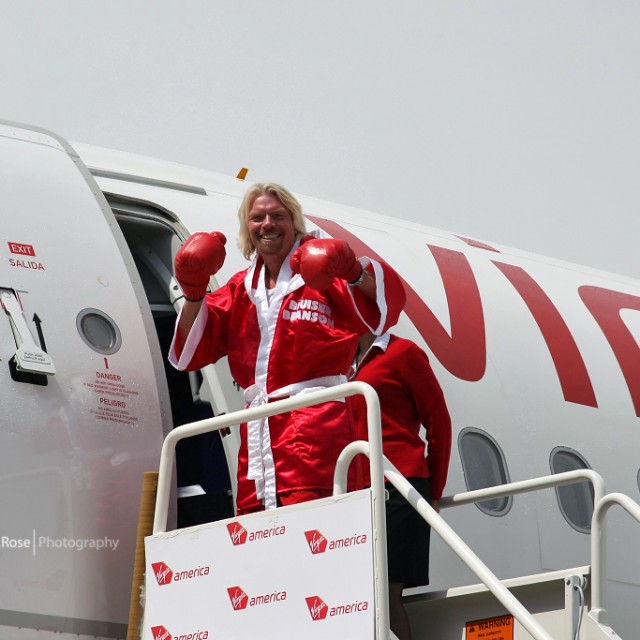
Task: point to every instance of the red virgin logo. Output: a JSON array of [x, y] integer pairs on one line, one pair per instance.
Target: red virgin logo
[[160, 633], [237, 533], [316, 541], [164, 575], [238, 598], [317, 608]]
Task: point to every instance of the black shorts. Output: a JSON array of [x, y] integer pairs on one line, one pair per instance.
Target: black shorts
[[408, 537]]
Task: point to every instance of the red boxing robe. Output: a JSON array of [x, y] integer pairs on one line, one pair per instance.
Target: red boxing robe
[[293, 340]]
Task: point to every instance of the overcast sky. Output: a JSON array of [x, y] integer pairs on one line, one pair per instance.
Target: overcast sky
[[510, 121]]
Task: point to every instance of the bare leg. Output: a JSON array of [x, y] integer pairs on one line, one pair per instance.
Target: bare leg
[[398, 619]]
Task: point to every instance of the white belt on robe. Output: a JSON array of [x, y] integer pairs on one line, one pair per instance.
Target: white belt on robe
[[261, 466]]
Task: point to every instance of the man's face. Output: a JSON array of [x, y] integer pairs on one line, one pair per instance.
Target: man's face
[[270, 226]]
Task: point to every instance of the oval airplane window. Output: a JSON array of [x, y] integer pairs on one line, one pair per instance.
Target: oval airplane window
[[484, 465], [99, 331], [575, 500]]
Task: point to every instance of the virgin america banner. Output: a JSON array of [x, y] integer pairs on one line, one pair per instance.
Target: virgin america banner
[[304, 571]]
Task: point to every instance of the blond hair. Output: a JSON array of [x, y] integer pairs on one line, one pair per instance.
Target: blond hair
[[288, 201]]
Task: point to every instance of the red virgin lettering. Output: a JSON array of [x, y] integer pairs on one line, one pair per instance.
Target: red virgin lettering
[[464, 352], [605, 306], [567, 359]]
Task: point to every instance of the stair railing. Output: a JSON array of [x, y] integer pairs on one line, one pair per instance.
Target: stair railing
[[598, 559], [374, 452], [451, 538], [380, 468]]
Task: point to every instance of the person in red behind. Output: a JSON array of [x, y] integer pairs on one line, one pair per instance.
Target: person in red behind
[[410, 398], [289, 324]]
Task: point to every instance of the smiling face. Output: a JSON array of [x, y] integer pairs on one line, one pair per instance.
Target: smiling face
[[271, 228]]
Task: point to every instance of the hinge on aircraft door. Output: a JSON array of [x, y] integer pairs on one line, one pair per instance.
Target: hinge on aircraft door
[[30, 362]]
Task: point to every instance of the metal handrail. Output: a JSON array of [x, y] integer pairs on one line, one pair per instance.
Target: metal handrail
[[598, 560], [503, 595], [526, 486], [167, 461]]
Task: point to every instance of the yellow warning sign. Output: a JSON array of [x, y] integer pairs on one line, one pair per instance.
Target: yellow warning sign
[[500, 628]]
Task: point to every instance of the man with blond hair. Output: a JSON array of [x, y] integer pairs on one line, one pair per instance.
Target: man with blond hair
[[289, 324]]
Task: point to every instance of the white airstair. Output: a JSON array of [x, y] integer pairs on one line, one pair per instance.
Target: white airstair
[[318, 570]]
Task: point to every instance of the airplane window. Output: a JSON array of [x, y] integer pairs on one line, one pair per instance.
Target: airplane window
[[99, 331], [575, 500], [484, 465]]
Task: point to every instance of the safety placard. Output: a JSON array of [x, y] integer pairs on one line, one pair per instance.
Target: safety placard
[[499, 628], [115, 398]]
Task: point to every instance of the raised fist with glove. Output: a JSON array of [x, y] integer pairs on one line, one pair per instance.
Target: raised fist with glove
[[320, 260], [197, 260]]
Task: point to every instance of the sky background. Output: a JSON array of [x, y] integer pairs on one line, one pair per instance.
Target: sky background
[[509, 121]]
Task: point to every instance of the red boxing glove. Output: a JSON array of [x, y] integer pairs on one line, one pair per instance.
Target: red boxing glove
[[198, 258], [320, 260]]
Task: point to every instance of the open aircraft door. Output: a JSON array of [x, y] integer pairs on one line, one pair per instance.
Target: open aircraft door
[[84, 403], [156, 213]]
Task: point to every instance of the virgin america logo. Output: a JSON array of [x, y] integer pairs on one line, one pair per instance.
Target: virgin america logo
[[238, 598], [160, 633], [164, 575], [317, 608], [319, 544], [316, 541], [237, 533]]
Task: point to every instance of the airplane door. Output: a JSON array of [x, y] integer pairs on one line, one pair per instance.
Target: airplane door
[[83, 400], [158, 205], [155, 217]]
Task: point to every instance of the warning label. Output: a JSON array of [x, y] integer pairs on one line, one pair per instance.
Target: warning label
[[114, 399], [500, 628]]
